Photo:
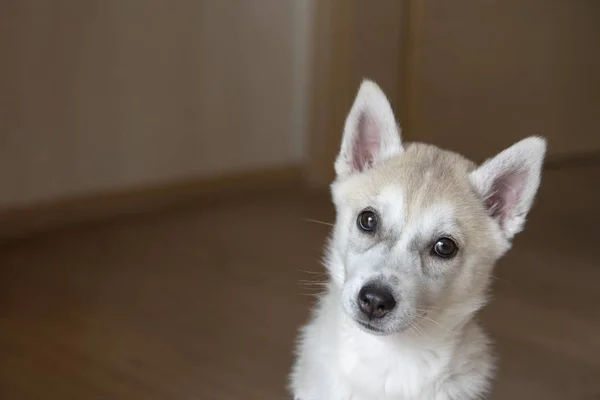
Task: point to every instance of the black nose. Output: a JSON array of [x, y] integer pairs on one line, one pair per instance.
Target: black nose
[[375, 301]]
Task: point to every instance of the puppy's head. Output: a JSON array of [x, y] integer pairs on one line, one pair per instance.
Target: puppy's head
[[418, 228]]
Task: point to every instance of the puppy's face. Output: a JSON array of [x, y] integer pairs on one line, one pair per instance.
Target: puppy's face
[[413, 238], [418, 228]]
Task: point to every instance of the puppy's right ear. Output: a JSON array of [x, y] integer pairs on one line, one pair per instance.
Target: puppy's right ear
[[508, 183], [371, 134]]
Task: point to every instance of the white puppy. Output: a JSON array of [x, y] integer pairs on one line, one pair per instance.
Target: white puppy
[[418, 231]]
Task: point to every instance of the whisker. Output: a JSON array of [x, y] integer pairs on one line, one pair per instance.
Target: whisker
[[317, 284], [410, 328], [499, 279], [312, 272], [316, 221], [416, 329], [435, 322], [316, 295], [428, 308]]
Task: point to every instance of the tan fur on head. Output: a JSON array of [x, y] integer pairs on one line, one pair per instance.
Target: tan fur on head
[[437, 224]]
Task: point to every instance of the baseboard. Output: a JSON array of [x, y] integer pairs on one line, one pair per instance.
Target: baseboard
[[20, 221]]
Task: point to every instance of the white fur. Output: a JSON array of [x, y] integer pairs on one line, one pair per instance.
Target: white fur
[[391, 202], [428, 347]]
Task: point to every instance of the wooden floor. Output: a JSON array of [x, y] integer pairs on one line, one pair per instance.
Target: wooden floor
[[204, 302]]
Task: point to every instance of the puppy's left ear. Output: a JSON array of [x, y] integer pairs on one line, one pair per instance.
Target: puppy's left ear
[[509, 182]]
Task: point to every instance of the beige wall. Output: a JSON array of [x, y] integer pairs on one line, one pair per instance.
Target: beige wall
[[487, 73], [377, 48], [356, 39], [102, 95]]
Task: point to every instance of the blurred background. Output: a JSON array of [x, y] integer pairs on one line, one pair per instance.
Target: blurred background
[[164, 171]]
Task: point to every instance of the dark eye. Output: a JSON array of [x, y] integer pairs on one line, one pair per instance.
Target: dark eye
[[445, 248], [367, 221]]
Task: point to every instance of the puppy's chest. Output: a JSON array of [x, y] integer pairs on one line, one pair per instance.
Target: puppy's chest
[[376, 371]]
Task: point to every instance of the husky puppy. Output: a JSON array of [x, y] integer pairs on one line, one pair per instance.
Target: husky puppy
[[418, 231]]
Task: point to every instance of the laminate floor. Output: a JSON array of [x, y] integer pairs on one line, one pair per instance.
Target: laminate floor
[[203, 302]]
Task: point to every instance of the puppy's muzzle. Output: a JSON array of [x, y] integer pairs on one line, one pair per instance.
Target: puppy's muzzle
[[375, 301]]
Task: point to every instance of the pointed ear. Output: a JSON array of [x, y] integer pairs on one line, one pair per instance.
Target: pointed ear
[[509, 182], [370, 132]]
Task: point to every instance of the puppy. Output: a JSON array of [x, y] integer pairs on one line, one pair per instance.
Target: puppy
[[418, 231]]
